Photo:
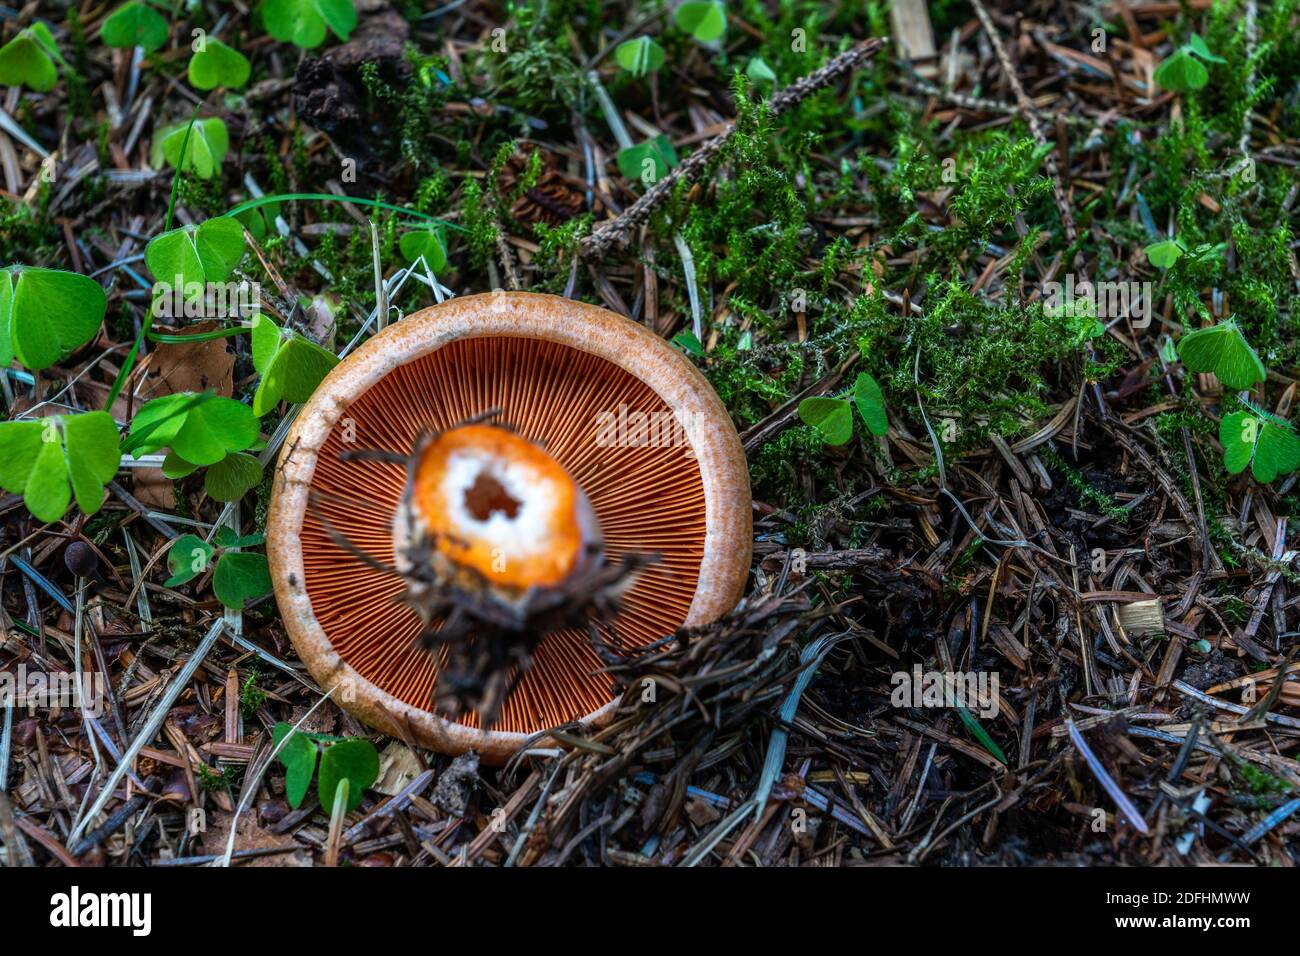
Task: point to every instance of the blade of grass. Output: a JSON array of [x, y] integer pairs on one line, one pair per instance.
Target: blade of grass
[[129, 364], [980, 734], [330, 197], [176, 180], [170, 339], [125, 371]]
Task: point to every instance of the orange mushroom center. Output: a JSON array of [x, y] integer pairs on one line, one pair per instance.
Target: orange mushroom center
[[495, 502]]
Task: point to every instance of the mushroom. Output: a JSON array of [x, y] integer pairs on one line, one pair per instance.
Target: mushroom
[[516, 471]]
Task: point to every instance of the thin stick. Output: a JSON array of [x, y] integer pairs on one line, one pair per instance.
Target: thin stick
[[1031, 119], [381, 294], [337, 815], [617, 233]]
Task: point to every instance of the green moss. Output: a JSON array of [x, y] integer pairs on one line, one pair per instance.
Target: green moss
[[251, 695], [1260, 782], [210, 781], [1088, 493]]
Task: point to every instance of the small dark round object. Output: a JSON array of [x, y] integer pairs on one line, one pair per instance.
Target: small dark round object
[[81, 559]]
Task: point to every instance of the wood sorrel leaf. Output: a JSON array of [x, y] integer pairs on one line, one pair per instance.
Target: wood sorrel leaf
[[1223, 350], [354, 760], [135, 24], [227, 538], [706, 20], [640, 56], [188, 557], [46, 314], [1265, 442], [201, 427], [1182, 72], [1197, 45], [207, 147], [870, 403], [240, 577], [259, 221], [193, 256], [687, 342], [291, 366], [299, 758], [428, 243], [831, 417], [1164, 253], [648, 162], [232, 477], [50, 460], [28, 59], [303, 22], [218, 65], [759, 73]]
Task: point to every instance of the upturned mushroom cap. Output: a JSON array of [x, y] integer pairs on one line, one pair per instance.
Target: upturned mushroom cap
[[620, 410]]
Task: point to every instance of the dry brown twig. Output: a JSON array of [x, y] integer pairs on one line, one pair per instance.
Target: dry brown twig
[[1031, 120], [617, 232]]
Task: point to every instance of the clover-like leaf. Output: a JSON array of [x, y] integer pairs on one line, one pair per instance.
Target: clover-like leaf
[[303, 22], [206, 149], [200, 427], [260, 220], [1265, 442], [28, 59], [299, 758], [1197, 45], [46, 314], [94, 454], [648, 162], [135, 24], [759, 73], [429, 243], [870, 403], [1223, 350], [188, 557], [687, 342], [241, 576], [640, 56], [706, 20], [232, 477], [290, 366], [190, 257], [229, 538], [354, 760], [218, 65], [831, 417], [1182, 72], [228, 480], [1164, 253], [50, 460]]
